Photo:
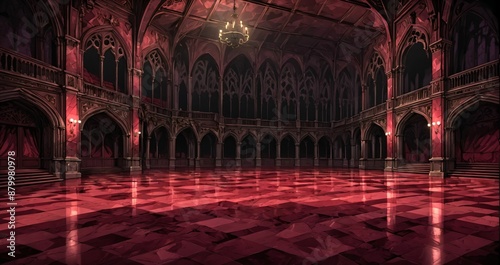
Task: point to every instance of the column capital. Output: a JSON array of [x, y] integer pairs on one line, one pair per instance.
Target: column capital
[[441, 44]]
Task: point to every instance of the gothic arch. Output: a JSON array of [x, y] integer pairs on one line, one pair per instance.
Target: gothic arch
[[107, 29], [263, 136], [248, 133], [146, 51], [471, 102], [232, 134], [401, 123], [368, 130], [159, 127], [47, 110], [181, 129], [314, 139], [283, 136], [113, 116], [203, 134], [413, 35]]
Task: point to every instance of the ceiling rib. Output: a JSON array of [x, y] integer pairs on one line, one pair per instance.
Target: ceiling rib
[[286, 9]]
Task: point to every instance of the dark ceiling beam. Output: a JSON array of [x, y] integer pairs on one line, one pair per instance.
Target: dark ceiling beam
[[292, 12], [328, 19], [216, 4], [185, 15]]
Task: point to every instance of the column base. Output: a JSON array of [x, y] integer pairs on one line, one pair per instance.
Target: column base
[[171, 163], [237, 162], [389, 164], [258, 162], [437, 167], [218, 162], [297, 162], [362, 163], [72, 168], [316, 162], [278, 162]]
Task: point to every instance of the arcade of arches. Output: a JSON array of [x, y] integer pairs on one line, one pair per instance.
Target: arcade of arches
[[159, 92]]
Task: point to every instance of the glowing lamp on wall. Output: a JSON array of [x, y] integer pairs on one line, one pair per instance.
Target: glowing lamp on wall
[[434, 125], [73, 124]]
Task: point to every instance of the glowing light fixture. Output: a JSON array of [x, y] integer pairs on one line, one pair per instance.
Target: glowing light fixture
[[234, 33]]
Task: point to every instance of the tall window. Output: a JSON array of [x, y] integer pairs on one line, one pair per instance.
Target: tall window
[[267, 85], [104, 62], [377, 82], [205, 85], [308, 92], [154, 80], [289, 85], [238, 89], [21, 31], [474, 43], [324, 97]]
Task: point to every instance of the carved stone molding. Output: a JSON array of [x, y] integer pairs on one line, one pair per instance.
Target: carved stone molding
[[51, 99], [441, 44]]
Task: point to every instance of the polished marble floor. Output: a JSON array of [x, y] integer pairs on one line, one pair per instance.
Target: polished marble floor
[[256, 217]]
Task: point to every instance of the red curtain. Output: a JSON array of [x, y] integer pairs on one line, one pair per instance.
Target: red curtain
[[480, 143], [30, 148], [8, 139]]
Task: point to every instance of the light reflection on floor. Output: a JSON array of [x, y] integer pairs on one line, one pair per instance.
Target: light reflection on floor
[[257, 217]]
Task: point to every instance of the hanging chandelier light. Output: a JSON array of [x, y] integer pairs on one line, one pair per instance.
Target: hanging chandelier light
[[234, 33]]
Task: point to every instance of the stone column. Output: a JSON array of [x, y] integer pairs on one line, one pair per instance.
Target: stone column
[[171, 146], [197, 159], [218, 154], [297, 155], [278, 154], [238, 154], [147, 163], [258, 159], [316, 154], [439, 159]]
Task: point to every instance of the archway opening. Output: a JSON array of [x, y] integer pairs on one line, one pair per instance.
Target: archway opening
[[287, 151], [324, 151], [185, 150], [248, 151], [306, 152], [338, 152], [268, 150], [416, 140], [102, 144], [159, 148], [477, 134], [26, 134], [208, 148], [376, 148]]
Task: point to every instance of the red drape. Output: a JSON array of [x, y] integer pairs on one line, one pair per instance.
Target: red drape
[[8, 139], [30, 145], [480, 143]]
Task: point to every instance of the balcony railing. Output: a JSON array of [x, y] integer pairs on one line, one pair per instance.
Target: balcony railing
[[106, 94], [307, 124], [373, 110], [419, 94], [204, 116], [27, 66], [474, 75]]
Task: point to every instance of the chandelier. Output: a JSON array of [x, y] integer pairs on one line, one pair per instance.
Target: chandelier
[[234, 34]]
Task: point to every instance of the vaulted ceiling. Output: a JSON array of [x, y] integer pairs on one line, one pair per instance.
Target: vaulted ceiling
[[293, 25]]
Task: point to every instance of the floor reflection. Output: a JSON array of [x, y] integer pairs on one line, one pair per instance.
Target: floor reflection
[[257, 217]]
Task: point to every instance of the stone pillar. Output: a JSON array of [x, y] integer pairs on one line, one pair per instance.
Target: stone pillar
[[297, 155], [362, 159], [391, 122], [171, 146], [364, 87], [218, 154], [147, 163], [190, 94], [278, 154], [316, 153], [258, 159], [238, 154], [69, 166], [439, 159], [197, 159]]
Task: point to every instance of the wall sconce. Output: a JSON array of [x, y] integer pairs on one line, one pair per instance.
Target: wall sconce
[[387, 133], [137, 133], [435, 125], [73, 122]]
